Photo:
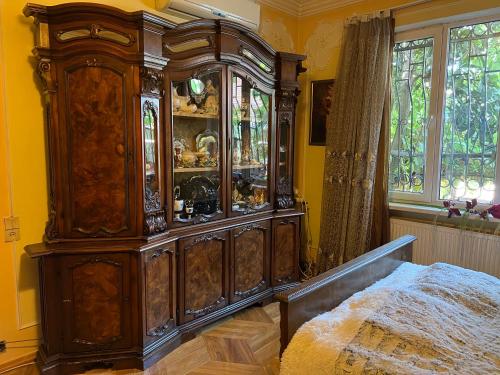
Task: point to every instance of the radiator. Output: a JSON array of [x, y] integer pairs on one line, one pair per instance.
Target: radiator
[[476, 251]]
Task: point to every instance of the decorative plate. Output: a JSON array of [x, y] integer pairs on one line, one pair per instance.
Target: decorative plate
[[208, 141]]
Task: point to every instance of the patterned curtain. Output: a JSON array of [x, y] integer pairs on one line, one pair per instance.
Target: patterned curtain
[[354, 188]]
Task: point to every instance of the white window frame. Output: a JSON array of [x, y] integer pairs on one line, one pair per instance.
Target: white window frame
[[440, 34]]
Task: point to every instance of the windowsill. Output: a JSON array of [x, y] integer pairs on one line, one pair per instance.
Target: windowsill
[[417, 208], [439, 216]]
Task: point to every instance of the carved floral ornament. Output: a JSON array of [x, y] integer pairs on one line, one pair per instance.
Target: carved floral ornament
[[276, 33], [321, 44], [45, 74], [152, 81], [155, 223]]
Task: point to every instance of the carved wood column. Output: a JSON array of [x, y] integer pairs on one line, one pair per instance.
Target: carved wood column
[[290, 66], [152, 94]]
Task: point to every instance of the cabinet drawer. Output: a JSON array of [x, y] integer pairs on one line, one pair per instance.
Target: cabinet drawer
[[285, 252], [203, 276], [250, 246]]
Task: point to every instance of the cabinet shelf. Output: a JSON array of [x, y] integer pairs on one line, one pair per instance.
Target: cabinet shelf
[[195, 169], [196, 115], [249, 166]]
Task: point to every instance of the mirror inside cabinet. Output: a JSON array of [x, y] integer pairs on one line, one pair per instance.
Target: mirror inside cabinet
[[250, 128], [150, 110], [196, 147]]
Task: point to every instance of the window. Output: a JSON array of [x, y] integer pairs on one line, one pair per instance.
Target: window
[[445, 113]]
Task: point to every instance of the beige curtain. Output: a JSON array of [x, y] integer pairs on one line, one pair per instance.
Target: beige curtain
[[353, 185]]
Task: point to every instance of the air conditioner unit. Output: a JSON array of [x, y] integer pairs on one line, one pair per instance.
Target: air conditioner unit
[[245, 12]]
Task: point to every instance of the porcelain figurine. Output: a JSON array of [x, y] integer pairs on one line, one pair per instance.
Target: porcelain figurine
[[212, 100]]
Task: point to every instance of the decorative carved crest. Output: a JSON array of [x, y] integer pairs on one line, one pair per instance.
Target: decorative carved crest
[[155, 223], [50, 227], [152, 81], [159, 252], [284, 194], [205, 310], [203, 71], [243, 294], [248, 228], [287, 99], [152, 200], [285, 280], [207, 237], [285, 117], [93, 62], [251, 81], [45, 74], [161, 330]]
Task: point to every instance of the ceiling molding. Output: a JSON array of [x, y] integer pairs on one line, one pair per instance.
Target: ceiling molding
[[304, 8], [309, 8], [291, 7]]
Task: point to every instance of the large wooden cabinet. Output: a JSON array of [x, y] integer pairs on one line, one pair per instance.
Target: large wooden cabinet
[[170, 153]]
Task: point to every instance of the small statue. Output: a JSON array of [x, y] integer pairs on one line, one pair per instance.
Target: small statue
[[236, 195], [179, 102], [212, 100]]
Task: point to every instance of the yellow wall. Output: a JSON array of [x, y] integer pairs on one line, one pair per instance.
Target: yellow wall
[[319, 38], [21, 116], [22, 160]]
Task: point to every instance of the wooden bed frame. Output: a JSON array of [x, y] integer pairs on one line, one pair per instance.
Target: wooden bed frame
[[326, 291]]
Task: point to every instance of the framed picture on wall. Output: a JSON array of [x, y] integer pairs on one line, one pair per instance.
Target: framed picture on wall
[[321, 92]]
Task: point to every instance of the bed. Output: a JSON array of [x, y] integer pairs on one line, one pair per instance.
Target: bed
[[381, 314]]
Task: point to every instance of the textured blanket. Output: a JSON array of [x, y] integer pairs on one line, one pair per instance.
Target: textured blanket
[[418, 320]]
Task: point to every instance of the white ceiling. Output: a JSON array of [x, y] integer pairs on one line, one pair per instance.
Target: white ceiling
[[307, 7]]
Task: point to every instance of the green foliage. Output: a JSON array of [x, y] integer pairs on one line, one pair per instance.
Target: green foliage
[[471, 113]]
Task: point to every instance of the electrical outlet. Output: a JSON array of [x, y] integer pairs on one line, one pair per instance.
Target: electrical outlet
[[11, 228]]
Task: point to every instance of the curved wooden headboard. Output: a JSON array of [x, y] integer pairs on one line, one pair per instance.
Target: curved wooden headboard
[[326, 291]]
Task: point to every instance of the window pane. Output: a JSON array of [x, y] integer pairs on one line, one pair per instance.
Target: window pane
[[471, 118], [411, 85]]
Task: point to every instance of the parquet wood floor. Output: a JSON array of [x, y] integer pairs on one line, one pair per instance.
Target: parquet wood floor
[[247, 343]]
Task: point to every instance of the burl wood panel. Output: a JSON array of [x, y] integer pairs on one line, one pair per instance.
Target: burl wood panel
[[204, 264], [97, 150], [249, 248], [97, 304], [158, 282], [285, 250]]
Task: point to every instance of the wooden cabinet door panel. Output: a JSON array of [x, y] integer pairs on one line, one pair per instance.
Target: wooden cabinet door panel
[[203, 276], [286, 246], [96, 302], [249, 260], [159, 283], [98, 129]]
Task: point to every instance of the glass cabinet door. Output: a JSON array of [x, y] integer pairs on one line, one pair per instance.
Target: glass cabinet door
[[196, 147], [250, 124]]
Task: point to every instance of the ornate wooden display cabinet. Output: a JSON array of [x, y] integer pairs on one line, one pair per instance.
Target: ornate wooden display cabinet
[[170, 152]]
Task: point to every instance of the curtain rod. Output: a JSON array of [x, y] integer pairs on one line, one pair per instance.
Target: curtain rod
[[390, 9], [409, 5]]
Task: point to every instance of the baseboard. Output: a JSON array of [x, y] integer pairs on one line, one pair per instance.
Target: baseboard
[[14, 362]]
